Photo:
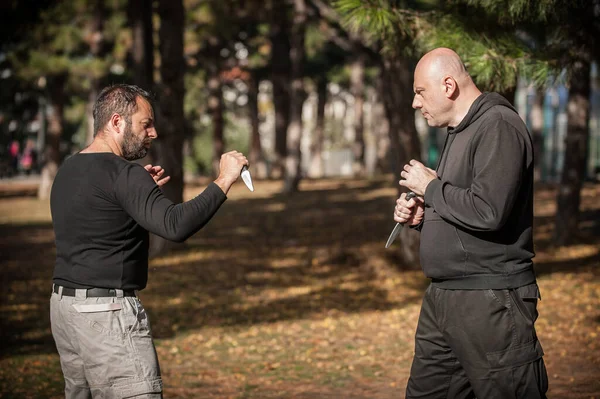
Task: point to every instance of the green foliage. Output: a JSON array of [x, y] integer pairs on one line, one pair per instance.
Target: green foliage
[[372, 17], [59, 44], [482, 32], [494, 59]]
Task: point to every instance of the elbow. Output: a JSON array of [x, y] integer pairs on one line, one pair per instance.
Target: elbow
[[491, 223], [178, 237]]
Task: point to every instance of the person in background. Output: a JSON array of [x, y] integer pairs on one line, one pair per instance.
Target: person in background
[[14, 152], [103, 207], [475, 336]]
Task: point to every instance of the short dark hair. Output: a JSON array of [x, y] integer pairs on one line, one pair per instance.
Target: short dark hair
[[120, 99]]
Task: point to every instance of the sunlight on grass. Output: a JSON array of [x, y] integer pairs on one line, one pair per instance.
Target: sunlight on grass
[[25, 211], [291, 297]]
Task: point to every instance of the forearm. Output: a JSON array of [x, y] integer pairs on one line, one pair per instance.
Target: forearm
[[475, 208]]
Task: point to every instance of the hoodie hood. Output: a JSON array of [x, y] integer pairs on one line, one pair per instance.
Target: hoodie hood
[[484, 102]]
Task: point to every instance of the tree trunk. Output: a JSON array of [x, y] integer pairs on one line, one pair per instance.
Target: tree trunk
[[215, 109], [139, 13], [510, 94], [317, 167], [95, 39], [280, 77], [404, 139], [573, 173], [294, 157], [256, 158], [537, 132], [55, 115], [142, 56], [169, 145], [357, 89], [380, 128]]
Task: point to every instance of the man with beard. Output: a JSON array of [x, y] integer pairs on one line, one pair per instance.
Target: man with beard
[[103, 206]]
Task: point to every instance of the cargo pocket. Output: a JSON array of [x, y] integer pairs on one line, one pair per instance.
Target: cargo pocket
[[518, 372], [515, 356], [525, 300], [150, 387]]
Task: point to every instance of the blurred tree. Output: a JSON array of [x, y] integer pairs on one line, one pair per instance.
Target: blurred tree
[[381, 26], [575, 27], [215, 107], [281, 65], [293, 160], [61, 53], [170, 116], [94, 36], [317, 167], [222, 41], [21, 100], [537, 40], [332, 56], [358, 91], [62, 58], [139, 14]]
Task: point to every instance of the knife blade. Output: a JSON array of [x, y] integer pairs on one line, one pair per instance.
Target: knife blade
[[245, 173], [398, 227]]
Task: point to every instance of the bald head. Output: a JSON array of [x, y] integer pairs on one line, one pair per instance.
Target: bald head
[[441, 62], [444, 91]]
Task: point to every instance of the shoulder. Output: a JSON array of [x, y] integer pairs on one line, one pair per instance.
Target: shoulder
[[505, 119], [132, 171]]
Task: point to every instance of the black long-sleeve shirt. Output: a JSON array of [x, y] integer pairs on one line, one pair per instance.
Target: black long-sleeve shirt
[[102, 210]]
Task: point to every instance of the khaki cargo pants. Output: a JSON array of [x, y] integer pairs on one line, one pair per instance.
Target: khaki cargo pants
[[105, 347]]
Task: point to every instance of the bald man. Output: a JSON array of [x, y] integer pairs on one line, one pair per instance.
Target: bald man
[[475, 336]]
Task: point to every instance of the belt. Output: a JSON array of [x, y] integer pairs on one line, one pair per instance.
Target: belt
[[92, 292]]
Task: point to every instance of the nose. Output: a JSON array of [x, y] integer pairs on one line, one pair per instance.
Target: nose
[[416, 104], [152, 133]]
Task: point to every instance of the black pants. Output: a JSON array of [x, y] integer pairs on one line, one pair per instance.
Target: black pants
[[478, 344]]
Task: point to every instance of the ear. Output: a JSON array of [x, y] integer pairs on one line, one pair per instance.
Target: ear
[[116, 123], [450, 86]]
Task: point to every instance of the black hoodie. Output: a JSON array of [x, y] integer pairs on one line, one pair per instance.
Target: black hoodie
[[477, 230]]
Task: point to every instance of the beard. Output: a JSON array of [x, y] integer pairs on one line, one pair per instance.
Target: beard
[[133, 147]]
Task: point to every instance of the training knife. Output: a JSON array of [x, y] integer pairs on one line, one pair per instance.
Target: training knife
[[247, 178], [398, 226]]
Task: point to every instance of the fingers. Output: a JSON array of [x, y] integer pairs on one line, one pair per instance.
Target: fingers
[[405, 210], [153, 168], [163, 181], [237, 155], [231, 165]]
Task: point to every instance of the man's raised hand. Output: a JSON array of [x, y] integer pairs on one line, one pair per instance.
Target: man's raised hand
[[156, 171]]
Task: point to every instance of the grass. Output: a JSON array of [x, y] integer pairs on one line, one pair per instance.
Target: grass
[[292, 297]]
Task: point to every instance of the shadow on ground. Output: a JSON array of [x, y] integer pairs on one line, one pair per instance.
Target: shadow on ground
[[260, 260]]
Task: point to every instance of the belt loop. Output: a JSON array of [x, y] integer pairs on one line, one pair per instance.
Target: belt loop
[[119, 293], [60, 290], [81, 293]]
